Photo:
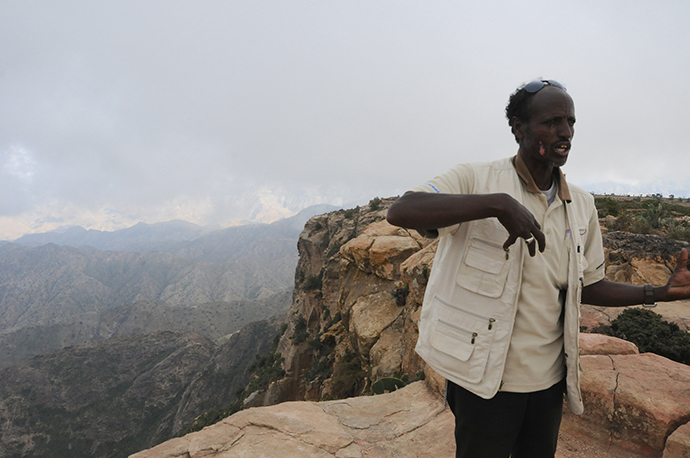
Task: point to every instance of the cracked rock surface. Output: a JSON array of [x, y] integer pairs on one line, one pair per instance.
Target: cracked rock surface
[[410, 422], [632, 401]]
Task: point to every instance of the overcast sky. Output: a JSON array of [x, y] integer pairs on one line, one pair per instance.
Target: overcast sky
[[117, 111]]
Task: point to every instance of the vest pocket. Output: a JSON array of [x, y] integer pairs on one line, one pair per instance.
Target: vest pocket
[[484, 269], [462, 340]]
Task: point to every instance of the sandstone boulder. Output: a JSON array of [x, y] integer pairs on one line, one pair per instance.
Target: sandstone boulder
[[380, 249], [632, 401], [678, 443], [599, 344], [370, 316], [410, 422]]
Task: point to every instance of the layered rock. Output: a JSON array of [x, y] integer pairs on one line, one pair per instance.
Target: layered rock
[[411, 423], [358, 292], [356, 301]]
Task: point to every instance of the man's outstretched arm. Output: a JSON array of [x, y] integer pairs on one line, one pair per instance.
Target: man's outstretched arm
[[426, 211], [613, 294]]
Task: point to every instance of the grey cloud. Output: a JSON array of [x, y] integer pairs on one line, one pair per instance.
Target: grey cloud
[[134, 106]]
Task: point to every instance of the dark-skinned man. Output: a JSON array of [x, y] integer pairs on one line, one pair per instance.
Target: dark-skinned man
[[519, 250]]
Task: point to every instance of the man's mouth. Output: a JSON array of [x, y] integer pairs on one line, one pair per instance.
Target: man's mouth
[[562, 148]]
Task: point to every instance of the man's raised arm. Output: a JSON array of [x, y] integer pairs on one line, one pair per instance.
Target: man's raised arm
[[613, 294], [427, 212]]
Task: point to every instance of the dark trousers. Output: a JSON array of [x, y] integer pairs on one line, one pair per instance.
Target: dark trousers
[[521, 425]]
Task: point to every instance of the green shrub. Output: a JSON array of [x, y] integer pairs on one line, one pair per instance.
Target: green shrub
[[678, 230], [387, 384], [300, 333], [400, 295], [375, 204], [656, 215], [607, 206], [650, 333], [336, 318], [313, 282], [348, 377]]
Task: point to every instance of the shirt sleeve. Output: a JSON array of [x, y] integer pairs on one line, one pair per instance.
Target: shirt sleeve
[[594, 251], [457, 180]]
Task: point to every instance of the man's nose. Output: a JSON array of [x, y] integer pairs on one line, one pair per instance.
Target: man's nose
[[565, 130]]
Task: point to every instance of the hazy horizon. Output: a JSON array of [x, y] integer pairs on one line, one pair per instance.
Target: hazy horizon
[[118, 112]]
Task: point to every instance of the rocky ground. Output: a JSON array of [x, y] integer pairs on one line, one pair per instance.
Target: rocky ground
[[358, 292], [632, 402]]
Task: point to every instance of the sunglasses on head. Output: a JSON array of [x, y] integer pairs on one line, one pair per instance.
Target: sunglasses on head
[[536, 86]]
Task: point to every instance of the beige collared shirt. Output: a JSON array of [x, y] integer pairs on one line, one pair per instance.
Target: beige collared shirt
[[535, 359]]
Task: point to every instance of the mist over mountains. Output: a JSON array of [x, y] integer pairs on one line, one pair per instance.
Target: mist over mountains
[[76, 286], [114, 341]]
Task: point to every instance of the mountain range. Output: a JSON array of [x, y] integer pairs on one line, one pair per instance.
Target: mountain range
[[72, 287]]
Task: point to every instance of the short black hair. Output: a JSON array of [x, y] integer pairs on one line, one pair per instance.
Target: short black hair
[[519, 102], [518, 107]]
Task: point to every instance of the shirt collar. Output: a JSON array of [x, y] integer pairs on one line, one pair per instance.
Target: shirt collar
[[526, 178]]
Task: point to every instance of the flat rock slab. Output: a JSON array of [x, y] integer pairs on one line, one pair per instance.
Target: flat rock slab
[[632, 401], [410, 422]]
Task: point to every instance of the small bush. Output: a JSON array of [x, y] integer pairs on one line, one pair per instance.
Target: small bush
[[387, 384], [300, 333], [375, 204], [313, 282], [348, 377], [400, 295], [650, 333], [607, 206]]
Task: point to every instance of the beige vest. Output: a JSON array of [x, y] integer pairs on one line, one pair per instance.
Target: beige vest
[[471, 298]]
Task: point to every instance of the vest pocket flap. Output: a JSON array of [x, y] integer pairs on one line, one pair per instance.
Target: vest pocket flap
[[452, 346], [484, 269], [487, 259]]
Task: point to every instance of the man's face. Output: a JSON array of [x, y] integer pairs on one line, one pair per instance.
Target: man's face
[[546, 137]]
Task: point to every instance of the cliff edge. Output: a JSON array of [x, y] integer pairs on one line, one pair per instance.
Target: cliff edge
[[351, 331]]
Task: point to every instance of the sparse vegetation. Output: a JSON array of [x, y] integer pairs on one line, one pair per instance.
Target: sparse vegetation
[[300, 333], [652, 215], [650, 333], [348, 376], [394, 382], [266, 369], [322, 348], [350, 212], [336, 319], [400, 295], [375, 204], [313, 282]]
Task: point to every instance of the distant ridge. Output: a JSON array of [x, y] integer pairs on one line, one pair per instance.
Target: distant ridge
[[167, 236]]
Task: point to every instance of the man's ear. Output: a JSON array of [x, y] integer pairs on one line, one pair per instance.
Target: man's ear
[[517, 127]]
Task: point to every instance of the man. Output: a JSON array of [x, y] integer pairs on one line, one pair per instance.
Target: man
[[501, 318]]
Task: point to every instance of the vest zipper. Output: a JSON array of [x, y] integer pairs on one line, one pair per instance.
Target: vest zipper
[[473, 335], [491, 321]]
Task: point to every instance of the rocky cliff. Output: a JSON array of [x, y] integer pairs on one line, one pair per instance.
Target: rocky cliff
[[352, 329]]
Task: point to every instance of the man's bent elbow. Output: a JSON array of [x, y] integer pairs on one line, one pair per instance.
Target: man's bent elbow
[[394, 216]]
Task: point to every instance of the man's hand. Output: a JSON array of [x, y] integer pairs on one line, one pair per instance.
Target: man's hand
[[520, 222], [427, 211], [678, 286]]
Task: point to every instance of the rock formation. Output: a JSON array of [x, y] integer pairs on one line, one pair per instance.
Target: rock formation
[[358, 292], [108, 399]]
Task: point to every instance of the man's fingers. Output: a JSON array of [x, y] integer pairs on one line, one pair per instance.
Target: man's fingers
[[682, 262], [541, 239], [511, 239]]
